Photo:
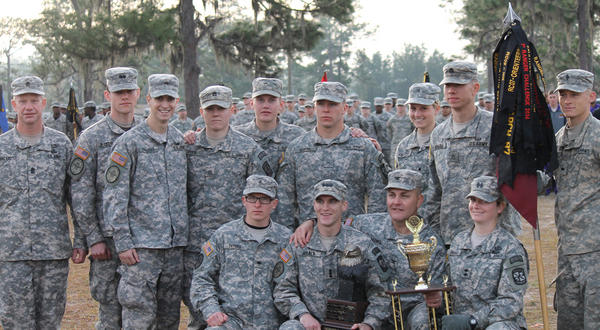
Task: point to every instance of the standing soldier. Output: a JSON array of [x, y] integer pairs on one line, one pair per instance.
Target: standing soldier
[[329, 152], [145, 203], [459, 152], [353, 119], [315, 273], [398, 127], [373, 124], [233, 288], [219, 162], [34, 230], [90, 116], [383, 116], [309, 121], [57, 120], [288, 115], [182, 123], [444, 112], [578, 204], [87, 171], [272, 134]]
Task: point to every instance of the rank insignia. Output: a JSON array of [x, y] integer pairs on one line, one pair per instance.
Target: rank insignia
[[82, 153], [118, 158], [285, 256], [207, 249]]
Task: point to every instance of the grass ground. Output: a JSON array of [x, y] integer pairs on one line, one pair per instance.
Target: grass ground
[[81, 310]]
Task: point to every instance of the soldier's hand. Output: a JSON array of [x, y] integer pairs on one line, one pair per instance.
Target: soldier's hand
[[375, 144], [216, 319], [189, 137], [100, 251], [357, 132], [78, 255], [129, 257], [302, 234], [433, 299], [361, 326], [309, 322]]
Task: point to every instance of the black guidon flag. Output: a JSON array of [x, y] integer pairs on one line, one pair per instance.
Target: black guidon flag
[[522, 136], [73, 111]]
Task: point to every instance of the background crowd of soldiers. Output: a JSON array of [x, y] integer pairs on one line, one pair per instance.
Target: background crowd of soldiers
[[159, 213]]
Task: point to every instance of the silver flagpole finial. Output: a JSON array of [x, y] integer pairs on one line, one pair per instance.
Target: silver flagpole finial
[[511, 16]]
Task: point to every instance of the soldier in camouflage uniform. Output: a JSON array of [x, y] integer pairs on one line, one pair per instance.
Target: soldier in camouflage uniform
[[247, 114], [233, 287], [87, 170], [311, 274], [90, 117], [34, 232], [309, 121], [383, 116], [266, 129], [353, 119], [57, 120], [219, 162], [398, 127], [182, 122], [444, 112], [488, 265], [459, 152], [105, 106], [145, 202], [374, 125], [578, 204], [288, 115], [488, 99], [413, 151], [330, 152]]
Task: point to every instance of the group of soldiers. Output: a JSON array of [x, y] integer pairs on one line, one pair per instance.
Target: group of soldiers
[[256, 220]]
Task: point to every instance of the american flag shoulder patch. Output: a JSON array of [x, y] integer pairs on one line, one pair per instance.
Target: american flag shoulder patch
[[82, 153], [285, 256], [349, 221], [207, 249], [118, 158]]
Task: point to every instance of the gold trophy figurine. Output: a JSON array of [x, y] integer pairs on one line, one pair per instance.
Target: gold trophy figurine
[[417, 252]]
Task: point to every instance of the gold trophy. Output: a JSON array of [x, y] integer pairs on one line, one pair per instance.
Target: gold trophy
[[418, 253]]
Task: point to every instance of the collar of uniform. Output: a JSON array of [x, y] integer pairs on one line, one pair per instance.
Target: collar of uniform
[[486, 246], [341, 138], [562, 142], [412, 141], [153, 135], [116, 128], [389, 230], [244, 234], [315, 241], [202, 140], [472, 127], [21, 143]]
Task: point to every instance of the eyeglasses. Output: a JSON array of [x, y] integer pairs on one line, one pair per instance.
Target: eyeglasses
[[262, 200]]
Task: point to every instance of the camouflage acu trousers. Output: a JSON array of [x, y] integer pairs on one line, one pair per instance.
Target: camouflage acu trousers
[[578, 291], [191, 261], [33, 294], [104, 281], [150, 291], [415, 318]]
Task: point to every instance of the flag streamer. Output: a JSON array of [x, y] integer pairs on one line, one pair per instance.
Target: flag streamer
[[3, 119]]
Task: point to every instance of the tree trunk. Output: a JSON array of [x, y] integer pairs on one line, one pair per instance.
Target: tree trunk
[[289, 72], [7, 103], [191, 70], [585, 34], [88, 81], [490, 75]]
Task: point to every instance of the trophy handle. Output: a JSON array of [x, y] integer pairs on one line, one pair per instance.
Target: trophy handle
[[401, 248], [432, 244]]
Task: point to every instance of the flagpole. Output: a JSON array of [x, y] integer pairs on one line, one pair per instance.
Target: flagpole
[[539, 263]]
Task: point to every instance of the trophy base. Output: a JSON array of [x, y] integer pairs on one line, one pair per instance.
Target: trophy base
[[342, 314], [421, 286], [336, 325]]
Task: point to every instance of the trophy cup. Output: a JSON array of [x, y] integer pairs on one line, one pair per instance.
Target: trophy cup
[[418, 253]]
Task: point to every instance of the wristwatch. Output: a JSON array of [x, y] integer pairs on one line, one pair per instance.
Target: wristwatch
[[473, 322]]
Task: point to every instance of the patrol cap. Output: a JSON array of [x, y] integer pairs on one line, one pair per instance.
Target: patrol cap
[[365, 104], [260, 184], [63, 105], [27, 85], [180, 107], [378, 101], [423, 93], [488, 97], [163, 84], [235, 100], [216, 95], [575, 80], [405, 179], [353, 96], [89, 104], [444, 103], [121, 78], [240, 105], [269, 86], [401, 101], [331, 188], [105, 105], [301, 109], [480, 95], [485, 188], [392, 95], [247, 95], [459, 72], [289, 98], [308, 105], [11, 115], [331, 91], [388, 100], [55, 105], [302, 96]]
